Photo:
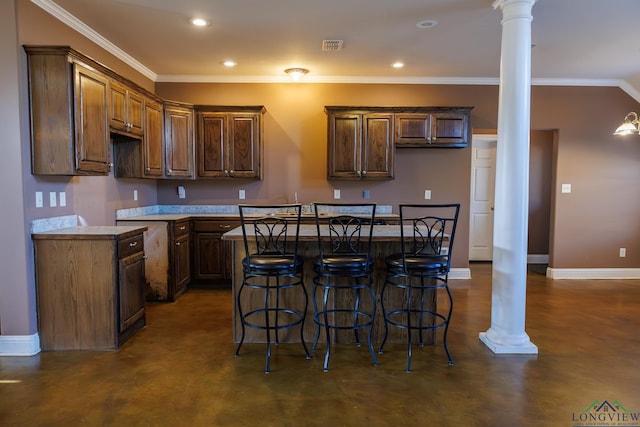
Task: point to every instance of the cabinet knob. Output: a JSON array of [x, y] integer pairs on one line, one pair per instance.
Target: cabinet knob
[[364, 173], [133, 244], [225, 226], [177, 243], [231, 171], [183, 227]]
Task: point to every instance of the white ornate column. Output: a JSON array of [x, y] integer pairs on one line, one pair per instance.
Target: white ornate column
[[508, 302]]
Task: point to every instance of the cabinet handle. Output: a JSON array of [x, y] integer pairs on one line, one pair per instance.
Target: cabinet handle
[[144, 257], [183, 227], [133, 244], [177, 243], [225, 226], [231, 171], [364, 173]]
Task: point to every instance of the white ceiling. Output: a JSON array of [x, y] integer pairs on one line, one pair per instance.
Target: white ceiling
[[583, 42]]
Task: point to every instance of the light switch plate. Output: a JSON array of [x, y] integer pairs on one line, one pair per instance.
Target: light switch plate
[[566, 188], [181, 192], [53, 199], [336, 194], [241, 194], [63, 198], [427, 194], [39, 200], [366, 194], [135, 194]]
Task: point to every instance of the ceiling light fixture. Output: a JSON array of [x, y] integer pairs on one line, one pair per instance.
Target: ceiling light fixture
[[296, 73], [397, 64], [427, 23], [229, 63], [631, 125], [199, 22]]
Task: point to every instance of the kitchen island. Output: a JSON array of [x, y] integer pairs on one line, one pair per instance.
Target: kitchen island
[[385, 241]]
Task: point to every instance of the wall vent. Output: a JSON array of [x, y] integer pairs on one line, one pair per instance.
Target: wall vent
[[331, 45]]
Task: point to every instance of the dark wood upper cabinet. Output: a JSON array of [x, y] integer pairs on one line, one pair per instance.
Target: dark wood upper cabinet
[[360, 145], [68, 101], [179, 150], [126, 110], [153, 142], [434, 127], [229, 142]]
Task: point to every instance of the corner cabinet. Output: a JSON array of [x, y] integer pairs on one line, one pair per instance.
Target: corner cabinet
[[69, 111], [229, 142], [89, 286], [360, 144], [179, 142]]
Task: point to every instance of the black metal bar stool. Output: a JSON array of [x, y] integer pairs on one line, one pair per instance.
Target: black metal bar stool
[[271, 266], [343, 272], [420, 270]]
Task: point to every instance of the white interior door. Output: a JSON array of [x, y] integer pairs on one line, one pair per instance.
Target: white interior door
[[483, 179]]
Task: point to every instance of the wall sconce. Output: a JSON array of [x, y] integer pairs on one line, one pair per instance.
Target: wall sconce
[[296, 73], [631, 125]]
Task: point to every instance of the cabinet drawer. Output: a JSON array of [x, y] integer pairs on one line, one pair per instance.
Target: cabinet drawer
[[215, 226], [182, 228], [130, 245]]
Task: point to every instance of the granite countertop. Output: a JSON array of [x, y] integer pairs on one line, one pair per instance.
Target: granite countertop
[[106, 232]]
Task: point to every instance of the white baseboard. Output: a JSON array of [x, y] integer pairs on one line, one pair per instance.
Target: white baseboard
[[460, 273], [19, 345], [538, 259], [593, 273]]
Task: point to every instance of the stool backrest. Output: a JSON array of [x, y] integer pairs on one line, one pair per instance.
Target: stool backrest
[[344, 228], [270, 229], [428, 230]]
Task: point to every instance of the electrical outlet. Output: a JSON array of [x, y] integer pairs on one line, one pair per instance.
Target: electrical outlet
[[623, 252], [63, 198], [39, 199], [336, 194], [566, 188], [181, 192], [427, 194], [241, 194], [135, 194], [53, 201], [366, 194]]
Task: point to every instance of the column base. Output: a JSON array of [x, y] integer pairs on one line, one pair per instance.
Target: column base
[[524, 348]]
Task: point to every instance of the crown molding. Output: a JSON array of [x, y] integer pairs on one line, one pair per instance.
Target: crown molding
[[73, 22]]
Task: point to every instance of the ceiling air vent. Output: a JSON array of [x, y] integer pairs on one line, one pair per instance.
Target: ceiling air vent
[[331, 45]]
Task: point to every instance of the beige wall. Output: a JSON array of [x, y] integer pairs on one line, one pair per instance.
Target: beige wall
[[587, 226]]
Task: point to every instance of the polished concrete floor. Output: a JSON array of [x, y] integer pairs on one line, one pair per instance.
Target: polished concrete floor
[[180, 370]]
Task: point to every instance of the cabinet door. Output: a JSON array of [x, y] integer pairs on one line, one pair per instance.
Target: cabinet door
[[91, 121], [244, 145], [208, 256], [131, 290], [344, 145], [179, 142], [182, 264], [212, 136], [450, 129], [378, 148], [412, 130], [126, 109], [153, 139]]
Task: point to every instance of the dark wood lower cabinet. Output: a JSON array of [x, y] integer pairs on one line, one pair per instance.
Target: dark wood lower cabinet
[[90, 287], [211, 255]]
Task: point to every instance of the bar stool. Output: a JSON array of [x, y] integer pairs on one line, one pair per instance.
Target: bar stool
[[419, 271], [343, 273], [272, 266]]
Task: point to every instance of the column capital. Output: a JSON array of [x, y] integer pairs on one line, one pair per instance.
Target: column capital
[[503, 3]]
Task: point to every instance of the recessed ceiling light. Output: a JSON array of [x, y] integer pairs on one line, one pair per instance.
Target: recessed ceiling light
[[229, 63], [397, 64], [427, 23], [199, 22]]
